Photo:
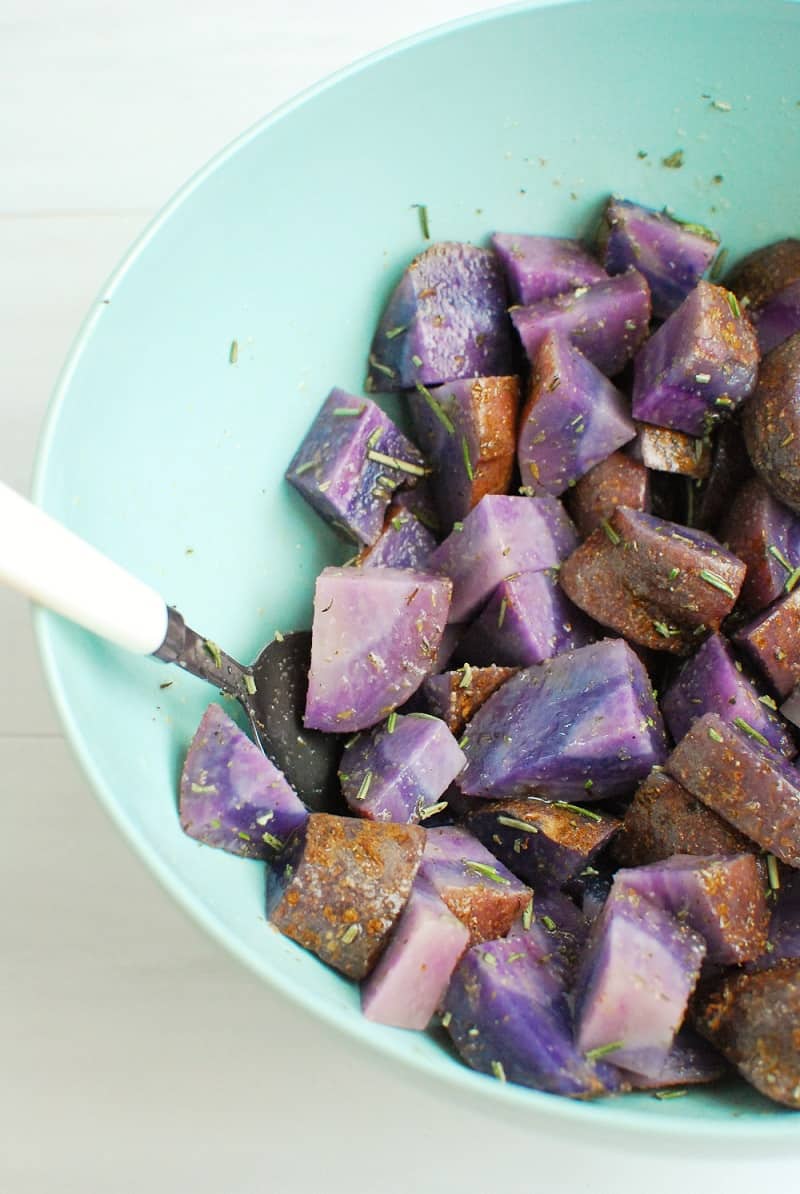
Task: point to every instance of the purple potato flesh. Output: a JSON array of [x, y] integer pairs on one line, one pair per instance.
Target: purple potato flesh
[[668, 451], [231, 795], [404, 542], [720, 896], [413, 972], [616, 481], [474, 885], [340, 885], [637, 975], [779, 318], [752, 1019], [374, 640], [467, 430], [690, 1062], [765, 272], [445, 319], [418, 500], [502, 535], [771, 422], [700, 364], [581, 726], [771, 641], [573, 418], [607, 321], [537, 267], [658, 583], [712, 681], [765, 535], [542, 842], [400, 771], [456, 696], [526, 620], [664, 819], [671, 254], [747, 783], [350, 462], [554, 932], [508, 1015], [784, 928]]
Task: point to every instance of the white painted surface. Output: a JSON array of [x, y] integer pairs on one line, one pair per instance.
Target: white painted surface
[[136, 1055]]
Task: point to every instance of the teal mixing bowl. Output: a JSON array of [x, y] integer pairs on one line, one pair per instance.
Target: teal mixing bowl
[[170, 458]]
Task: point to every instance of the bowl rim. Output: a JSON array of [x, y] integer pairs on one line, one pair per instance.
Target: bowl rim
[[602, 1116]]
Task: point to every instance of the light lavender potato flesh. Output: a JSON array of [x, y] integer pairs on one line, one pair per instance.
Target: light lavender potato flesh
[[445, 319], [607, 321], [638, 973], [700, 364], [502, 535], [720, 896], [374, 639], [671, 254], [336, 471], [750, 785], [765, 535], [231, 795], [573, 418], [537, 267], [412, 974], [712, 681], [527, 619], [404, 542], [401, 769], [508, 1015], [581, 726]]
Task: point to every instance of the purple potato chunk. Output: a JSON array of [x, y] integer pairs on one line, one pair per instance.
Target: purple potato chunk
[[573, 418], [745, 781], [607, 321], [730, 468], [765, 535], [752, 1019], [595, 887], [537, 267], [699, 364], [374, 640], [502, 535], [404, 542], [664, 819], [720, 896], [638, 972], [690, 1062], [507, 1015], [467, 429], [350, 462], [231, 795], [400, 771], [783, 943], [765, 272], [779, 318], [712, 681], [658, 583], [667, 451], [772, 642], [474, 885], [413, 972], [616, 481], [771, 422], [553, 932], [307, 758], [445, 319], [542, 842], [526, 620], [418, 500], [456, 696], [339, 886], [671, 254], [581, 726]]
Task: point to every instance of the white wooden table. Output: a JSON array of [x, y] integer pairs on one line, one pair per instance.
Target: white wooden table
[[135, 1055]]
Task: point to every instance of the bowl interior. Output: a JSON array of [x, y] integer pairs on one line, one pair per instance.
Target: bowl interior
[[170, 458]]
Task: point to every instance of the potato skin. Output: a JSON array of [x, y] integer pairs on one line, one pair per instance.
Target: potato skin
[[771, 422], [766, 271]]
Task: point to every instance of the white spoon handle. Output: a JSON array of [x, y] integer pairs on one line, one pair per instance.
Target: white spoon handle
[[58, 569]]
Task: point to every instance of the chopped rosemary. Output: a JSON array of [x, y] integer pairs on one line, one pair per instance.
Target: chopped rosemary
[[213, 651], [702, 379], [437, 409], [166, 684], [397, 523], [502, 615], [467, 461], [714, 735], [576, 808], [376, 364], [772, 872], [398, 331], [485, 871], [498, 1071], [733, 303], [361, 794], [787, 439], [432, 810], [250, 684], [549, 924], [350, 934], [610, 532], [348, 412], [233, 354], [278, 636], [664, 630], [404, 466], [674, 160], [416, 361], [777, 554], [673, 573], [721, 258], [527, 915], [244, 836], [670, 1094], [422, 209], [272, 840], [746, 728], [375, 438], [466, 679], [603, 1050], [769, 702], [792, 580], [458, 526], [446, 1018], [515, 823], [462, 742], [304, 468], [717, 582], [391, 723], [515, 957]]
